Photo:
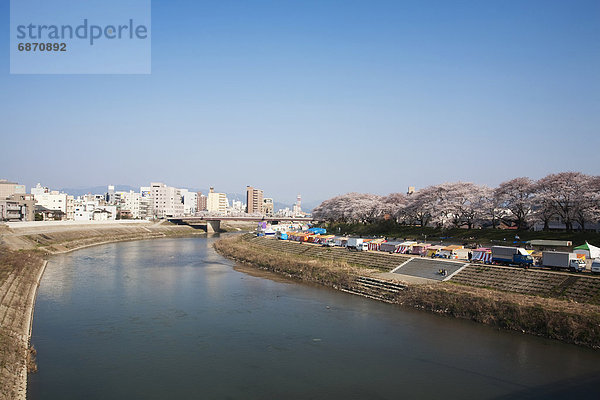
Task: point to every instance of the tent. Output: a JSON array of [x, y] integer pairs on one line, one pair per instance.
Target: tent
[[375, 244], [389, 246], [432, 251], [482, 254], [405, 247], [588, 250], [318, 231], [420, 249], [450, 251]]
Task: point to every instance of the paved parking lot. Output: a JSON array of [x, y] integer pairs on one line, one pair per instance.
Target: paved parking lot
[[428, 268]]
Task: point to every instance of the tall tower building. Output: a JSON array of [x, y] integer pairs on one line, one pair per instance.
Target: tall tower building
[[201, 202], [217, 202], [297, 209], [254, 200], [166, 201]]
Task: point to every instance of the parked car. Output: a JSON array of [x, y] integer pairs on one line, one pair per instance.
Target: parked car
[[596, 266]]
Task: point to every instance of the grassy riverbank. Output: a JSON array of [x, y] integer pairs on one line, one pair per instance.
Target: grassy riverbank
[[557, 319], [61, 239], [482, 236]]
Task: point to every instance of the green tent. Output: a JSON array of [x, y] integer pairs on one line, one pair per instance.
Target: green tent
[[589, 250]]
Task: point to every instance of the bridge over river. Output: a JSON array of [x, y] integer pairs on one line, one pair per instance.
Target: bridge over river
[[213, 223]]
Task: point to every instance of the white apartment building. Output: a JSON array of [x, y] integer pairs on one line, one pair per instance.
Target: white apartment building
[[70, 208], [190, 201], [86, 210], [217, 202], [130, 201], [145, 202], [237, 206], [166, 201], [50, 199], [145, 207]]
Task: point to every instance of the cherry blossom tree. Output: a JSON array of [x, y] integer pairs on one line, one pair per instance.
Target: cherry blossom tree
[[469, 203], [543, 209], [570, 194], [350, 207], [421, 208], [491, 209], [516, 196], [394, 204], [573, 196]]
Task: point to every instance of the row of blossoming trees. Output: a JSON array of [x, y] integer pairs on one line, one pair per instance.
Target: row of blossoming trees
[[572, 197]]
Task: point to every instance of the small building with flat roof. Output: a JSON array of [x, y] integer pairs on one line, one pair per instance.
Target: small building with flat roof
[[555, 245]]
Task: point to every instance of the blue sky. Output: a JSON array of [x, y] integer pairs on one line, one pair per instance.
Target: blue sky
[[321, 98]]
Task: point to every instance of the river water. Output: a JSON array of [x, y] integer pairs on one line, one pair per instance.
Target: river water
[[171, 319]]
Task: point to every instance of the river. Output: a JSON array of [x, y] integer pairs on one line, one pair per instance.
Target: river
[[171, 319]]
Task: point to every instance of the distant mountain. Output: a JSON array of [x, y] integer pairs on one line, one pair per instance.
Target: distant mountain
[[308, 206], [280, 206], [98, 190]]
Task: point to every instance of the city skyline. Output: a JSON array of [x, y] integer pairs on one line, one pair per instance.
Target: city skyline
[[322, 98]]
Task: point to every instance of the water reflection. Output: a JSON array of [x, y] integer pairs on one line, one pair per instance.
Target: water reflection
[[172, 319]]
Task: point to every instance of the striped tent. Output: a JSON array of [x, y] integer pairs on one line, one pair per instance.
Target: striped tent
[[322, 239], [375, 245], [389, 246], [405, 247], [482, 255]]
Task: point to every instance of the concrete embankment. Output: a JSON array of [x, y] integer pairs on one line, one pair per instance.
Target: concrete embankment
[[564, 320], [20, 272], [23, 248]]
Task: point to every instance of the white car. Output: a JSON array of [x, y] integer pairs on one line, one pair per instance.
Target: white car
[[596, 267]]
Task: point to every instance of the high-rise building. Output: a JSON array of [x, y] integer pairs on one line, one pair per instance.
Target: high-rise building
[[202, 202], [254, 200], [190, 201], [217, 202], [166, 201], [297, 209], [110, 195]]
